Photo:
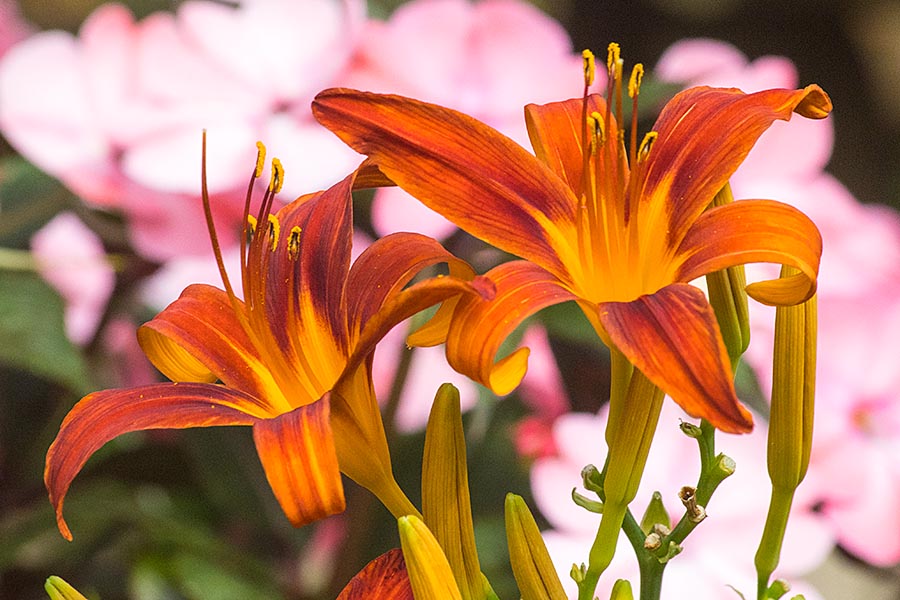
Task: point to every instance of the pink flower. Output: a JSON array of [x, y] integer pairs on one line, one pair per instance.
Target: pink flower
[[72, 259], [116, 113], [855, 464], [13, 28], [719, 552], [488, 59]]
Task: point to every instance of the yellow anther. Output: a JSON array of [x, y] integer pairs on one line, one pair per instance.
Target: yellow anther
[[277, 179], [294, 243], [588, 58], [646, 144], [598, 127], [251, 224], [612, 56], [274, 231], [634, 84], [260, 159]]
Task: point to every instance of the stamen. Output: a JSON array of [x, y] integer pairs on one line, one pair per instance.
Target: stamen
[[588, 58], [294, 243], [251, 227], [646, 144], [273, 231], [260, 159], [210, 224], [634, 83], [599, 130], [277, 176], [612, 57]]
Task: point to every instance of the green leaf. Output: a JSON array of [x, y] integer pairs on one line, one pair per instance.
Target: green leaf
[[32, 332]]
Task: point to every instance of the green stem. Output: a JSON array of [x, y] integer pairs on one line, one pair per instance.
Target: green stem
[[651, 569], [769, 552]]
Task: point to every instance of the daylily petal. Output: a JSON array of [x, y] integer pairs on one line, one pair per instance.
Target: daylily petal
[[673, 338], [556, 134], [755, 231], [460, 168], [386, 266], [102, 416], [312, 261], [385, 578], [480, 326], [703, 136], [297, 453], [198, 338]]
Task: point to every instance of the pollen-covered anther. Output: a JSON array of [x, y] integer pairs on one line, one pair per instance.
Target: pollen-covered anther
[[260, 159], [251, 228], [277, 179], [294, 243], [598, 130], [274, 230], [612, 57], [634, 83], [589, 68], [646, 144]]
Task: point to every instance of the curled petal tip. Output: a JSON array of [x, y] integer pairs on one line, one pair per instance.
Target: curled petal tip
[[815, 103], [486, 288]]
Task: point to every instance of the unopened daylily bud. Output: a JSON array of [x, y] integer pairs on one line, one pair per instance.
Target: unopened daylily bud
[[793, 391], [531, 563], [446, 505], [621, 590], [656, 514], [429, 571], [58, 589], [630, 429], [790, 422], [728, 297]]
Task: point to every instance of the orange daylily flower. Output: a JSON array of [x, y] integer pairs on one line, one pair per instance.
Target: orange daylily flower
[[620, 231], [292, 358]]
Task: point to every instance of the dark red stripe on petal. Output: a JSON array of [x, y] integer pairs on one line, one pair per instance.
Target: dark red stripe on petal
[[298, 455], [385, 578], [672, 336], [102, 416]]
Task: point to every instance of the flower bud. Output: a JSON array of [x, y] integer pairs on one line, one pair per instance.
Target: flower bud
[[445, 491], [58, 589], [728, 297], [531, 564], [428, 569]]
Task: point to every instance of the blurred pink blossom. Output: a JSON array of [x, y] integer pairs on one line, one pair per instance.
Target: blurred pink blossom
[[487, 59], [72, 259], [116, 112], [13, 28], [855, 465], [719, 553]]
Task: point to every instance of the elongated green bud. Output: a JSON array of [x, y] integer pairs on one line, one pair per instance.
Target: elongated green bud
[[445, 492], [790, 423], [629, 431], [429, 572], [728, 298], [531, 564], [793, 392], [58, 589]]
